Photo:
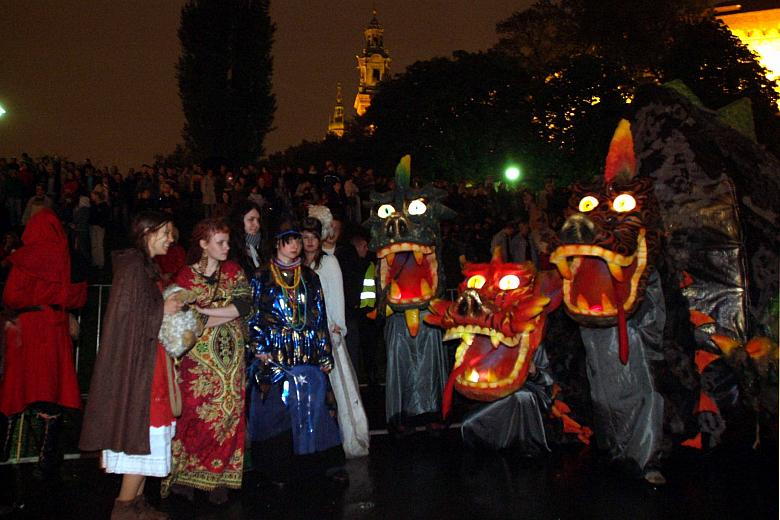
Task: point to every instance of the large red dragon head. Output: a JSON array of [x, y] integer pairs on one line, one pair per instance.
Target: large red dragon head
[[499, 317], [608, 245]]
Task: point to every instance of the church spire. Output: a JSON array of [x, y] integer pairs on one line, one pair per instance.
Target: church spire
[[336, 124], [373, 63]]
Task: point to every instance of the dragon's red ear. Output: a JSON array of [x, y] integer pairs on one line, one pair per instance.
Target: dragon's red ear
[[621, 162]]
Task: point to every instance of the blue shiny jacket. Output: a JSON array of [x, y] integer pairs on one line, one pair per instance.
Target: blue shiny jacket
[[274, 327]]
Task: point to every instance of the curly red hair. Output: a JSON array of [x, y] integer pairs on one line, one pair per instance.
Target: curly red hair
[[204, 230]]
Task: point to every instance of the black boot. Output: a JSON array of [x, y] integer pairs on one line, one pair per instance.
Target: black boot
[[7, 425], [49, 458]]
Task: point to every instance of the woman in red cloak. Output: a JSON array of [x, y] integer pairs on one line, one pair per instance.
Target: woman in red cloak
[[39, 372]]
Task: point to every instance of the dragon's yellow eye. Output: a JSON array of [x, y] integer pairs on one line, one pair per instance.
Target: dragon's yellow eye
[[623, 202], [417, 207], [476, 282], [385, 210], [509, 282], [588, 203]]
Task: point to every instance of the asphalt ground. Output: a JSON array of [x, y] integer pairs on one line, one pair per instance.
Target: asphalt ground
[[425, 476]]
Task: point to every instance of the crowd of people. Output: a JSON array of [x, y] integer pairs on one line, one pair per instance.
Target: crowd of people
[[96, 204], [274, 266]]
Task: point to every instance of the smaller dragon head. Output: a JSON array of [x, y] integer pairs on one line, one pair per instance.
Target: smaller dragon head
[[405, 234], [499, 316]]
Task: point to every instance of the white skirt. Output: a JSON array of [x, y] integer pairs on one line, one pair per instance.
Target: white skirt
[[351, 414], [155, 464]]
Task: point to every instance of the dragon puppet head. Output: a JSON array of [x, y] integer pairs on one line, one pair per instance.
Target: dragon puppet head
[[609, 243], [499, 316], [405, 234]]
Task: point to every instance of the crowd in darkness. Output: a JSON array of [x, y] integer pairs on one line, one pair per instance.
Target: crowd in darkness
[[97, 203], [297, 289]]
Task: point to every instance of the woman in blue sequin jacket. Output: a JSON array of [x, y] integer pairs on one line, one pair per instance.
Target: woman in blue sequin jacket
[[289, 404]]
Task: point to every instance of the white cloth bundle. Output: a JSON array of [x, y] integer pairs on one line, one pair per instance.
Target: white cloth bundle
[[179, 331]]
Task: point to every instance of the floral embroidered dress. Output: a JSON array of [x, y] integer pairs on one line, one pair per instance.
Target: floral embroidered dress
[[208, 450]]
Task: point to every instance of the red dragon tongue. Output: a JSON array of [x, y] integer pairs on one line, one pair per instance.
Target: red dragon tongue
[[620, 298], [446, 399]]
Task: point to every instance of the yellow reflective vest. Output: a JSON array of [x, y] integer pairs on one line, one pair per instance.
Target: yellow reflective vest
[[368, 294]]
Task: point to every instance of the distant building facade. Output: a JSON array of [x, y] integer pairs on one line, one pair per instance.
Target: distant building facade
[[757, 24], [373, 64]]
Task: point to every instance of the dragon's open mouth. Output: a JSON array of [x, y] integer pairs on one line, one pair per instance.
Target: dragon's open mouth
[[596, 280], [486, 359], [410, 271]]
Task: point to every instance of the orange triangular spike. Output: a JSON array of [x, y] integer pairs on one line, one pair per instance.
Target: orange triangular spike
[[760, 346], [687, 280], [498, 254], [725, 343], [704, 358], [621, 161], [706, 404], [699, 318], [693, 443]]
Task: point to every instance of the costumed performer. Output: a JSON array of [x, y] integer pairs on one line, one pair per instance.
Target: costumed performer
[[353, 423], [130, 413], [290, 421], [39, 372], [208, 449]]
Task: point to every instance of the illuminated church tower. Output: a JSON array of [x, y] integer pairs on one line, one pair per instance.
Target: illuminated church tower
[[373, 64], [336, 124]]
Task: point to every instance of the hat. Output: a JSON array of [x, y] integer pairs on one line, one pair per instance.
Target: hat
[[288, 233]]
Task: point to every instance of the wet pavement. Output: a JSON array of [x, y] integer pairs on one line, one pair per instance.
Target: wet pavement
[[431, 477]]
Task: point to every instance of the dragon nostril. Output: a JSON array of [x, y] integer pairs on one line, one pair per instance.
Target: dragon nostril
[[402, 227], [463, 306]]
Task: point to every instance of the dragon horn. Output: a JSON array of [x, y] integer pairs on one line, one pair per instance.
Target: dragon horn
[[621, 162], [403, 171]]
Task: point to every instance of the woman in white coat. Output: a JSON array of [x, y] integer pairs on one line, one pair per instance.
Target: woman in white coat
[[351, 414]]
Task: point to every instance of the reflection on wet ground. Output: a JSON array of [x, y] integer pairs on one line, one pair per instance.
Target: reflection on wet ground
[[428, 477]]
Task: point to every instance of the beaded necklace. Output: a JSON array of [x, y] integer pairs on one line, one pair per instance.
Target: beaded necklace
[[292, 292]]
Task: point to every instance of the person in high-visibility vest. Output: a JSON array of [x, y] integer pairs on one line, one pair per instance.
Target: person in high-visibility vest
[[368, 294], [358, 271]]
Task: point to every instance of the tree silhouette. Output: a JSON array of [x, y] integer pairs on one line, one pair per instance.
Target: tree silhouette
[[224, 75]]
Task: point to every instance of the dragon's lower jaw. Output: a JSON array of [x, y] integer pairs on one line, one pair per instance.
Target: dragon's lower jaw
[[487, 373], [597, 280], [409, 272]]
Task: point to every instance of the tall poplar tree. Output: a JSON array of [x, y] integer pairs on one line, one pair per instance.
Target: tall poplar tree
[[224, 76]]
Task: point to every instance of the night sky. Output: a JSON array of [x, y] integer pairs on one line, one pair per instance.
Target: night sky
[[96, 78]]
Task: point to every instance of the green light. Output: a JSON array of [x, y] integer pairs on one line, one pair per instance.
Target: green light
[[512, 173], [2, 111]]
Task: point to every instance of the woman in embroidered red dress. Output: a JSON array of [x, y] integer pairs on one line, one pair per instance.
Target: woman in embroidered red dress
[[208, 450]]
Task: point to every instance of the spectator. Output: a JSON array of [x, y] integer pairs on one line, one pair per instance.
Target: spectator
[[245, 237], [209, 194], [37, 201], [99, 215], [80, 226]]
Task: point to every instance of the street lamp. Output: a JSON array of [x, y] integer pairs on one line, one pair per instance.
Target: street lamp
[[512, 173], [2, 111]]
